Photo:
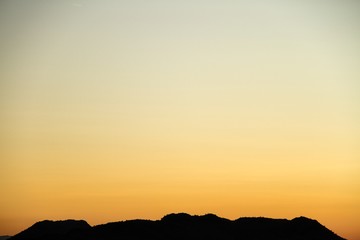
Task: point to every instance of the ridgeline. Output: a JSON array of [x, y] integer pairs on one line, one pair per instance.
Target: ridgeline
[[182, 226]]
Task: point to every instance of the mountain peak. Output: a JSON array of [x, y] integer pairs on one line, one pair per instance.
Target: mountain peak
[[49, 229], [176, 217]]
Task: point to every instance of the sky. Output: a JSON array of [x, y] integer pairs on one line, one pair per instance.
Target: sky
[[114, 110]]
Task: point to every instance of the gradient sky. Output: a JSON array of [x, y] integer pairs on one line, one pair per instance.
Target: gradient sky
[[114, 110]]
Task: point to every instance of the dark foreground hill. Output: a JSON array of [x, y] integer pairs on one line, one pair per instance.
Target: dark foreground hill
[[182, 226], [4, 237]]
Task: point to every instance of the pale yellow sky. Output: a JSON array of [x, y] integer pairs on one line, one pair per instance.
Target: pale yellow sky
[[115, 110]]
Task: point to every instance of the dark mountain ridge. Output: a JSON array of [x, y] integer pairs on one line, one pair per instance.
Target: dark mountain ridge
[[182, 226], [5, 237], [53, 229]]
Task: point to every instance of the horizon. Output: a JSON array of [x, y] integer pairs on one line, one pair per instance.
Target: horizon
[[138, 108], [172, 214], [169, 224]]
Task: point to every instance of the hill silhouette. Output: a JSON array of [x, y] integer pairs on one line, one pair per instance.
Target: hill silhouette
[[53, 230], [4, 237], [182, 226]]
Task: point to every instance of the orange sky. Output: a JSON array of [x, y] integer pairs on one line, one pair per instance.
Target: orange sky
[[114, 110]]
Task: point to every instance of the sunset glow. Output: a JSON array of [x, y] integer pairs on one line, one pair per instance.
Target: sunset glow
[[114, 110]]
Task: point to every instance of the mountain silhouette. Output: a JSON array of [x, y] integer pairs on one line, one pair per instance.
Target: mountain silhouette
[[53, 230], [4, 237], [182, 226]]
